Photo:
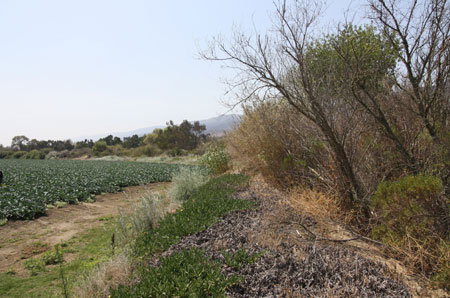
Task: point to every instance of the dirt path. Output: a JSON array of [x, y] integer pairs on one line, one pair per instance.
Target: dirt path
[[22, 239]]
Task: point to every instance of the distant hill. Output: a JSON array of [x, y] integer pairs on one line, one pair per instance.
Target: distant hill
[[216, 126]]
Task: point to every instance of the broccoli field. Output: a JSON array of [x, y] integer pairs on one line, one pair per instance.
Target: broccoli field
[[30, 185]]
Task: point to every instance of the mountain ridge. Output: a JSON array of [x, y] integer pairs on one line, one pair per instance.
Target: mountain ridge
[[215, 126]]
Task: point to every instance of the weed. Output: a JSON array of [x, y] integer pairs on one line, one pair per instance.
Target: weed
[[52, 257], [240, 258], [11, 271], [59, 257], [34, 266], [60, 204]]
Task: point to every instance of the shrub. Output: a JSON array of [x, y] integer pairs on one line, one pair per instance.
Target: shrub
[[410, 205], [412, 217], [18, 154], [284, 148], [99, 147], [185, 182], [35, 154], [5, 154], [216, 159], [147, 150], [175, 152]]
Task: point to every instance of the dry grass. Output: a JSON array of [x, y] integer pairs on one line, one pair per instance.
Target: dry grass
[[321, 205], [146, 214], [109, 274]]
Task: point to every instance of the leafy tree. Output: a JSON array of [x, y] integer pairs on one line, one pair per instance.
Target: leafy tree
[[108, 140], [116, 141], [84, 144], [132, 142], [99, 147], [19, 143], [184, 136]]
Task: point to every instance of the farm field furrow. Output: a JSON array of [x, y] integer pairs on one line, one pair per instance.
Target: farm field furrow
[[31, 185]]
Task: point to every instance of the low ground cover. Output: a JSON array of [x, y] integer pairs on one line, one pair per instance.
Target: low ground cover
[[203, 209]]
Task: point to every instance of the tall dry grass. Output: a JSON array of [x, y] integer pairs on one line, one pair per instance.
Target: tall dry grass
[[107, 275]]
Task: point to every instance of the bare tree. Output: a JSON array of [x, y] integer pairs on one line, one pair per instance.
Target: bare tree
[[276, 65], [422, 30]]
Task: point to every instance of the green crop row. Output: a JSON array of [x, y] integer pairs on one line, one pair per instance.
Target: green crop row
[[30, 185]]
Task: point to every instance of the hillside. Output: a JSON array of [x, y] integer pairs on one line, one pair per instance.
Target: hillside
[[214, 126]]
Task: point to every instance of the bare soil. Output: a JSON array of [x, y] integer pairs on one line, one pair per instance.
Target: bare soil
[[22, 239]]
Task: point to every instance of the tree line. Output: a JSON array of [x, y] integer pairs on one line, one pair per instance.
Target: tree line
[[185, 136]]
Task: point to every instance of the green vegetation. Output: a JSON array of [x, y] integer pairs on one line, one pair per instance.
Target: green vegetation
[[216, 159], [240, 258], [185, 183], [31, 185], [411, 213], [86, 251], [174, 140], [190, 273], [185, 274], [346, 110], [202, 210], [409, 206]]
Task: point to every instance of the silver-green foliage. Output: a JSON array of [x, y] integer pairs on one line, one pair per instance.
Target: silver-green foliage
[[185, 182]]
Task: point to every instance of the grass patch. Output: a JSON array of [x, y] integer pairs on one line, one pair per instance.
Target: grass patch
[[91, 248]]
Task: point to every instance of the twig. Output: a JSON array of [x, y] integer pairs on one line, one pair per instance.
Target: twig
[[363, 237], [316, 238]]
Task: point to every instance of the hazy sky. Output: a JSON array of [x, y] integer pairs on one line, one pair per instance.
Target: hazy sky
[[76, 68]]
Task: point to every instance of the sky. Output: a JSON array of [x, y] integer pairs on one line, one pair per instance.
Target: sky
[[86, 67]]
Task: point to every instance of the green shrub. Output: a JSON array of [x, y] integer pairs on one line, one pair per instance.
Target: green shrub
[[18, 154], [175, 152], [147, 150], [5, 154], [99, 147], [35, 154], [408, 206], [216, 159], [410, 218], [185, 182]]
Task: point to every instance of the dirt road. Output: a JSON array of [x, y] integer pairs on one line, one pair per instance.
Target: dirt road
[[22, 239]]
